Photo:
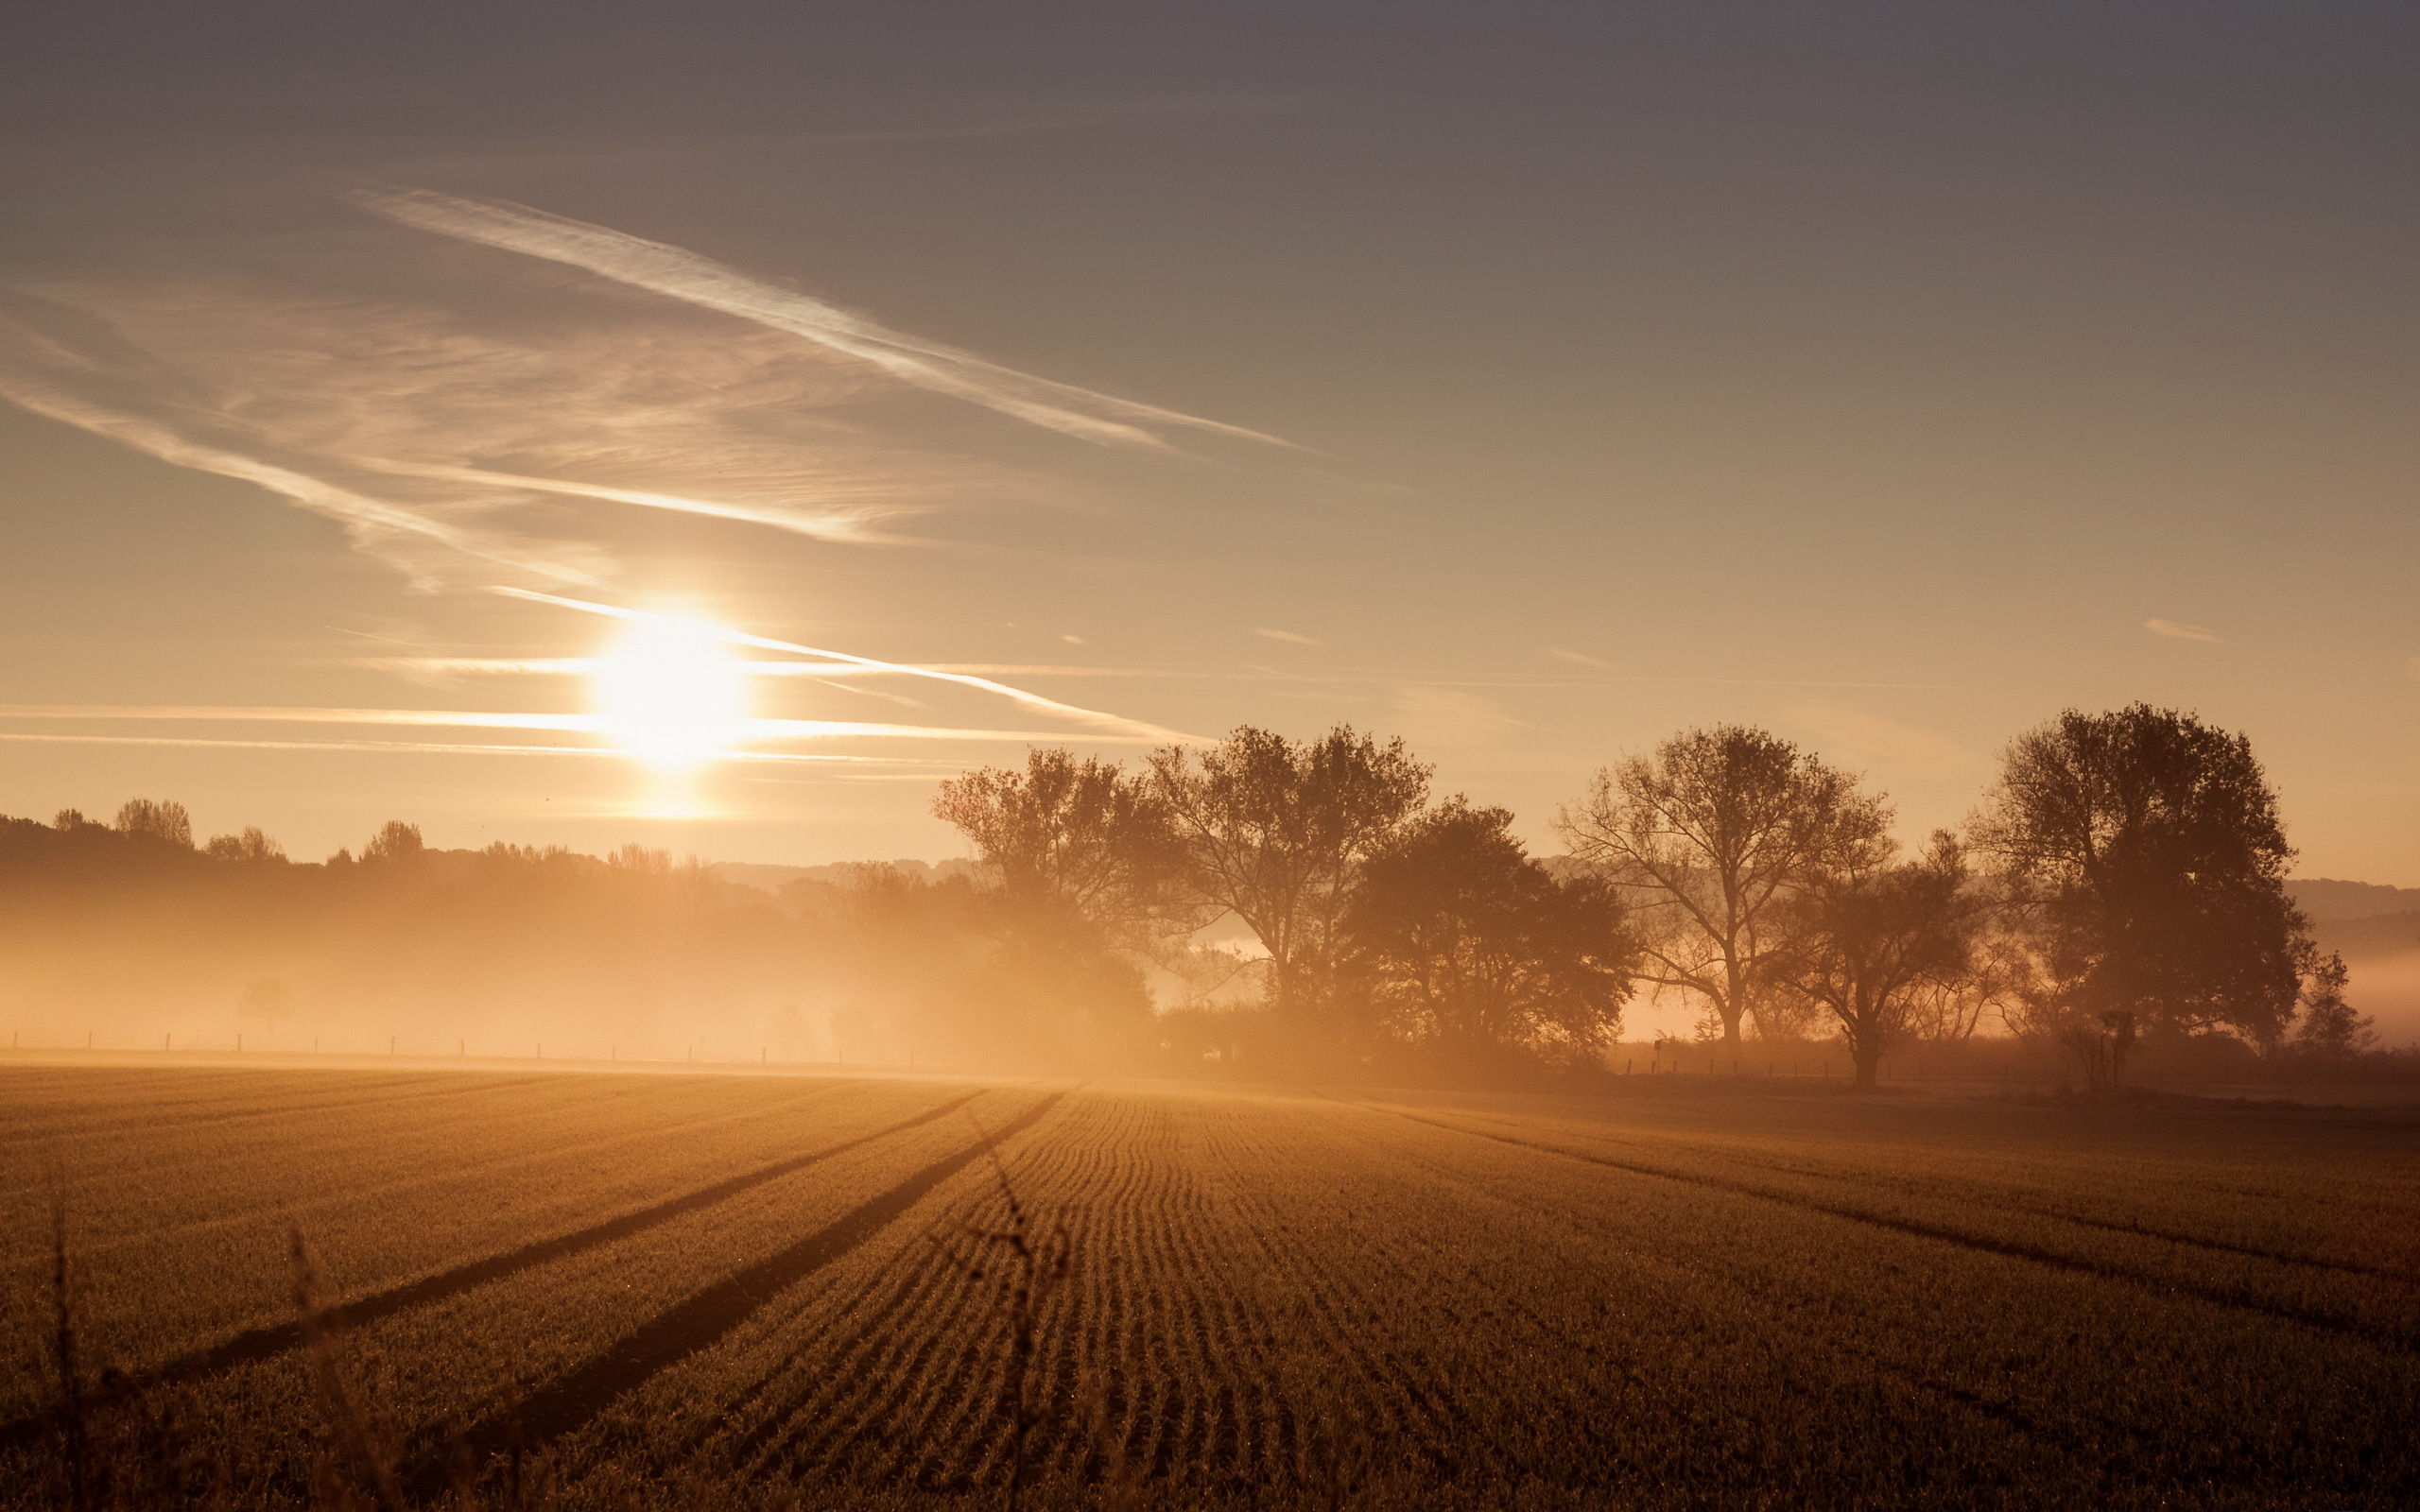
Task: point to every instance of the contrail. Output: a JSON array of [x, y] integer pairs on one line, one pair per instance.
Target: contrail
[[822, 527], [442, 748], [569, 724], [683, 275], [1099, 719]]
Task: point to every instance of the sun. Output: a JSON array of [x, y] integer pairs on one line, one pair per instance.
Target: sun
[[670, 693]]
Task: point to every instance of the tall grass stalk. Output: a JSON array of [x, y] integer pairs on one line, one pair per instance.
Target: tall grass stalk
[[362, 1455]]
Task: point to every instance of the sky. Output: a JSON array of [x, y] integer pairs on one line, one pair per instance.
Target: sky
[[1528, 380]]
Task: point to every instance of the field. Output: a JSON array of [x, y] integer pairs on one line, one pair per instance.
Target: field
[[675, 1290]]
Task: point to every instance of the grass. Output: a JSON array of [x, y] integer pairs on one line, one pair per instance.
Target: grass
[[600, 1292]]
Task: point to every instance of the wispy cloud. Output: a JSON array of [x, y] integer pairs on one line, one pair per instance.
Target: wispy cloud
[[44, 376], [683, 275], [1871, 743], [1286, 636], [1577, 658], [1452, 717], [762, 730], [464, 445], [2175, 631], [449, 749]]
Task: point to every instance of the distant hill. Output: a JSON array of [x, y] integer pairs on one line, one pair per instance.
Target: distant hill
[[2325, 900], [2369, 938]]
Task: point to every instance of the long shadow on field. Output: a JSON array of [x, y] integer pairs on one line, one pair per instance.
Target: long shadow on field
[[254, 1345], [2221, 1295], [706, 1317]]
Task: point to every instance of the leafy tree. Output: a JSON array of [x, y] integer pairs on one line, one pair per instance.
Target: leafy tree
[[2143, 851], [1077, 846], [1275, 830], [1461, 940], [1873, 945], [141, 818], [1709, 838], [2330, 1029], [1089, 869]]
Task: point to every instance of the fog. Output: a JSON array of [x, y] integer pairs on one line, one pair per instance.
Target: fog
[[139, 943]]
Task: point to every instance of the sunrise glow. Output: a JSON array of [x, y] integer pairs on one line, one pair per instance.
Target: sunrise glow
[[669, 692]]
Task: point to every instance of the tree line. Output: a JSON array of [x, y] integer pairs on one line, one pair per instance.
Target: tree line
[[2123, 878]]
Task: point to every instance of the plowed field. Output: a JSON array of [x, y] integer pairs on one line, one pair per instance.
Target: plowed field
[[706, 1290]]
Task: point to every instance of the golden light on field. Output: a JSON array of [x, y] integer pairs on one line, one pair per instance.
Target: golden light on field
[[670, 693]]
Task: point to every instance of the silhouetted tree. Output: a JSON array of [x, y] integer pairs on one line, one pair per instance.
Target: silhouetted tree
[[1949, 1009], [1710, 837], [1077, 846], [252, 846], [267, 1000], [2144, 854], [141, 818], [2330, 1029], [1275, 830], [1866, 942], [1460, 939], [394, 841], [1087, 866]]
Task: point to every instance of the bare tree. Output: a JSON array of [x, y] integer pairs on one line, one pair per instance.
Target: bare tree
[[395, 841], [1948, 1010], [2331, 1030], [253, 844], [1710, 836], [1275, 830], [270, 1000], [2144, 854], [1866, 942], [141, 819]]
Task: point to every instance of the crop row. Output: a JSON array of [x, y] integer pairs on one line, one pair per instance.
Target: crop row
[[1273, 1294]]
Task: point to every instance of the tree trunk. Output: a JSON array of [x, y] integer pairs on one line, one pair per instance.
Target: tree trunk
[[1868, 1054]]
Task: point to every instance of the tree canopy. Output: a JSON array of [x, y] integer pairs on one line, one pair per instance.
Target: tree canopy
[[1456, 937], [2144, 849], [1867, 943], [1275, 828]]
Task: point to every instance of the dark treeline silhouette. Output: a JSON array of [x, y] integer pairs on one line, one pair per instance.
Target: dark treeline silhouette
[[1262, 907]]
